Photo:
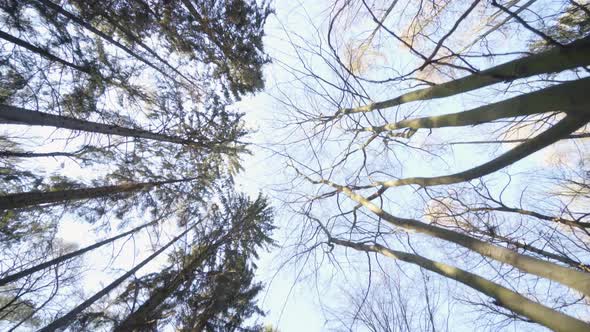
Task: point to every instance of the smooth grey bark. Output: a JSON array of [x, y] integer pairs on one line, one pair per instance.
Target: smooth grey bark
[[16, 115], [562, 129], [527, 247], [493, 236], [574, 279], [33, 198], [66, 320], [566, 96], [68, 256], [505, 297], [585, 226], [555, 60], [518, 140]]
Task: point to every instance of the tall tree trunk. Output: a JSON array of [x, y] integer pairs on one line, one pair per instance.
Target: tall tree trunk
[[518, 140], [63, 258], [584, 226], [42, 52], [504, 297], [19, 154], [145, 312], [555, 60], [17, 115], [566, 96], [527, 247], [561, 130], [572, 278], [21, 200], [66, 320], [466, 227]]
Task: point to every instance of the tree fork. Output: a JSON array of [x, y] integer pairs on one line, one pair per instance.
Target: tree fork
[[561, 130]]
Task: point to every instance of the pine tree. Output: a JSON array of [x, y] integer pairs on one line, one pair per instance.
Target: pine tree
[[214, 289], [141, 93]]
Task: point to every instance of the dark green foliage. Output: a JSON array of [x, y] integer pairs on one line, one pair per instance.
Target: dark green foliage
[[209, 287], [170, 68], [226, 36]]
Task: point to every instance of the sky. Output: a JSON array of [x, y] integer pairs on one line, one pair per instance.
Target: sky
[[290, 305]]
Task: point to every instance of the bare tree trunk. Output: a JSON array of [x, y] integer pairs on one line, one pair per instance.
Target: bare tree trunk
[[554, 60], [518, 140], [562, 129], [572, 278], [468, 228], [527, 247], [566, 96], [63, 258], [66, 320], [584, 226], [18, 154], [504, 297], [17, 115], [21, 200]]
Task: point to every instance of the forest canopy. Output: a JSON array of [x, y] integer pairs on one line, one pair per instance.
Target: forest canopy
[[139, 97], [418, 165]]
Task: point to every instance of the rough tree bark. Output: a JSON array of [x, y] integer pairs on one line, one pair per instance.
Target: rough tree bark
[[21, 200], [17, 115]]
